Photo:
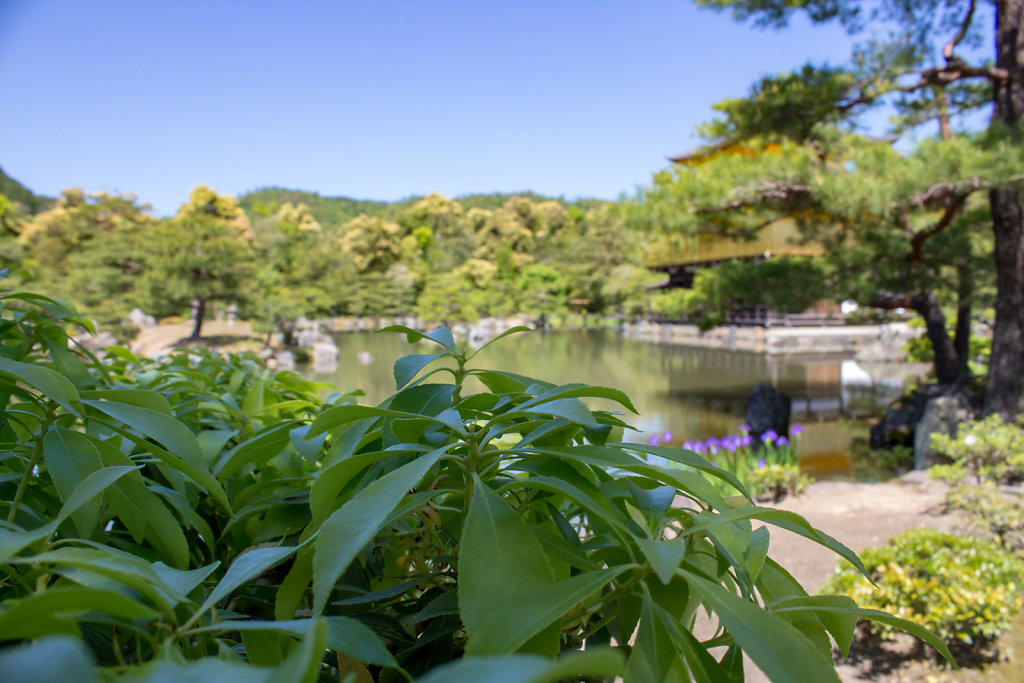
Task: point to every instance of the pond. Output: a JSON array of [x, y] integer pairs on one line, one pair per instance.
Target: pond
[[682, 393]]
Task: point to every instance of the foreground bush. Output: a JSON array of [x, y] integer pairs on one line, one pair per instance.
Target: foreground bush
[[203, 518], [965, 590]]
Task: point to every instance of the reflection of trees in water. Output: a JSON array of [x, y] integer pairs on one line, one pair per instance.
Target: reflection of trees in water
[[694, 393]]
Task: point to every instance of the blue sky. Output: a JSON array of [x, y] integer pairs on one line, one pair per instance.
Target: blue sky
[[375, 100]]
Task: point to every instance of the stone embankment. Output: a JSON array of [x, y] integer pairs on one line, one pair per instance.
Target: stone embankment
[[864, 342]]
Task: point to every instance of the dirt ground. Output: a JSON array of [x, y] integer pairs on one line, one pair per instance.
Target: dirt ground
[[160, 340], [860, 516]]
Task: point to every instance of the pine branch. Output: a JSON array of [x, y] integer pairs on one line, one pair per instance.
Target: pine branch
[[770, 192], [947, 49], [918, 240]]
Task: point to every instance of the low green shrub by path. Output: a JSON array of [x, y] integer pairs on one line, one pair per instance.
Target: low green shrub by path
[[963, 589], [989, 449], [203, 518]]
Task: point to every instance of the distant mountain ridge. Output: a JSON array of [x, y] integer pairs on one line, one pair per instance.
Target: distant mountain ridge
[[328, 211]]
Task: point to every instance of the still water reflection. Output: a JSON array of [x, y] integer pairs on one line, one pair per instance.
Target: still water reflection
[[688, 392]]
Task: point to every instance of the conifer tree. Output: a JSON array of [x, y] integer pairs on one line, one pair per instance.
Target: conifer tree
[[908, 220]]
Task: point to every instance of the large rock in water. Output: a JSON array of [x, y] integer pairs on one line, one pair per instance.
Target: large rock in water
[[767, 408], [942, 415]]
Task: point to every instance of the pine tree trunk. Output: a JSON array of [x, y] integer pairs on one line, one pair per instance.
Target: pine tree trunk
[[962, 331], [1005, 392], [947, 364], [200, 314]]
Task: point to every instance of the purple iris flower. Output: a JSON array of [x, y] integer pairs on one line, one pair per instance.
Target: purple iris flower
[[783, 441], [797, 429], [712, 442], [688, 445], [698, 447], [744, 427], [760, 463], [654, 440], [746, 440], [770, 436], [666, 437]]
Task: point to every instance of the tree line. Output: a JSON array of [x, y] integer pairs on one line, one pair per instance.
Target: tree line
[[277, 261]]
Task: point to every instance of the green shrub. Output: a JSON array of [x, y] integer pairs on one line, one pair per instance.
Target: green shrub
[[991, 513], [988, 449], [773, 482], [203, 518], [966, 590]]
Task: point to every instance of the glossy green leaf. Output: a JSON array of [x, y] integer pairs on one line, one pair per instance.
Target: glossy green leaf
[[442, 335], [123, 568], [13, 542], [303, 664], [827, 604], [572, 409], [182, 448], [46, 660], [653, 502], [686, 458], [140, 398], [581, 391], [655, 655], [212, 442], [665, 556], [780, 518], [344, 634], [246, 567], [525, 617], [34, 616], [257, 450], [143, 512], [309, 449], [355, 523], [70, 458], [91, 488], [594, 504], [598, 663], [407, 367], [703, 667], [50, 383], [506, 382], [343, 415], [165, 429], [501, 335], [780, 650], [205, 670], [499, 562], [183, 581]]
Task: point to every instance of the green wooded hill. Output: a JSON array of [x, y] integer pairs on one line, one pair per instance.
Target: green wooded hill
[[26, 201], [334, 211]]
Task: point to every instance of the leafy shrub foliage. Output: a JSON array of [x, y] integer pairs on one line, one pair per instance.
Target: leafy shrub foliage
[[774, 482], [202, 518], [991, 513], [988, 449], [964, 589]]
